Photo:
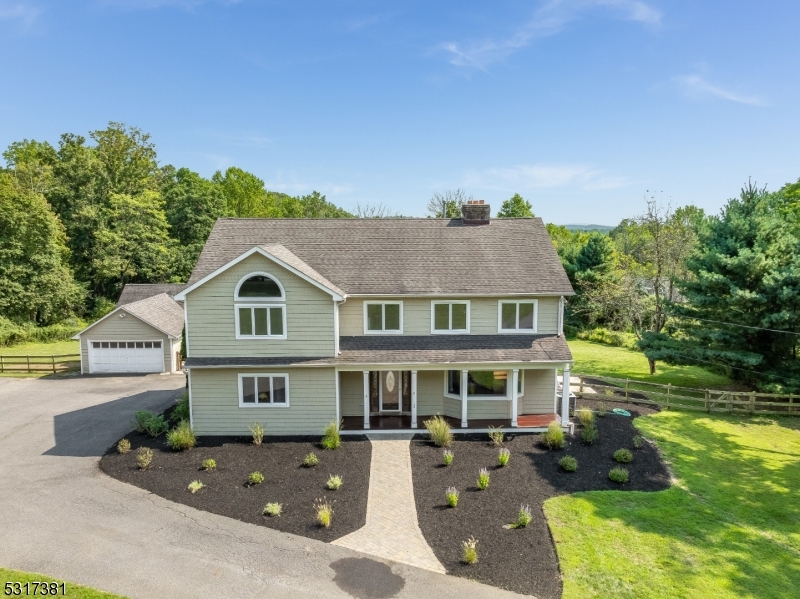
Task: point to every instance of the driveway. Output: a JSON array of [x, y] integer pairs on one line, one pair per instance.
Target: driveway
[[61, 516]]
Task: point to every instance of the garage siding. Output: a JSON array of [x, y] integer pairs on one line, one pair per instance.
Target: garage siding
[[216, 411], [127, 328]]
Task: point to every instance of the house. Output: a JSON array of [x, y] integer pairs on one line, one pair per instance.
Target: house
[[142, 334], [378, 323]]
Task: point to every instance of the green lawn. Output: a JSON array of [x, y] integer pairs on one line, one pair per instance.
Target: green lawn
[[73, 590], [729, 529], [57, 348], [599, 359]]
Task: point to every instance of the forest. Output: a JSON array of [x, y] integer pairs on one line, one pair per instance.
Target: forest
[[80, 219]]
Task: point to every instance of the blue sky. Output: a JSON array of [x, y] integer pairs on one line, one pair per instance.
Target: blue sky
[[579, 105]]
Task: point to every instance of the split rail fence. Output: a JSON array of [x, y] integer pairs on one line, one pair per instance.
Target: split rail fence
[[686, 398], [38, 364]]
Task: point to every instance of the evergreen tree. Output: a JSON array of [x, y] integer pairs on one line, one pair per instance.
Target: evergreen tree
[[744, 273]]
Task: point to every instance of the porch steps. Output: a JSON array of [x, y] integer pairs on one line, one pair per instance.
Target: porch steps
[[536, 420]]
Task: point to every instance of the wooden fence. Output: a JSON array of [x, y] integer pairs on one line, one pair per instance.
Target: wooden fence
[[39, 364], [686, 398]]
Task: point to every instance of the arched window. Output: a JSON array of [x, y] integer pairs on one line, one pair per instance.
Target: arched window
[[260, 308], [259, 286]]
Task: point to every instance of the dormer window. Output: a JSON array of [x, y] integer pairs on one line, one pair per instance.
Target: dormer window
[[260, 308]]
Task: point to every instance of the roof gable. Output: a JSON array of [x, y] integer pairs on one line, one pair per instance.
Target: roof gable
[[401, 256], [160, 312]]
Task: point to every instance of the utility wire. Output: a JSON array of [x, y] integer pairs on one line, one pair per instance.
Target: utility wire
[[733, 324]]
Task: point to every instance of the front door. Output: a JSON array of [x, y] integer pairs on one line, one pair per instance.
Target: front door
[[391, 388]]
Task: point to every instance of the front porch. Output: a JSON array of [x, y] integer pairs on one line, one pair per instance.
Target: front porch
[[525, 399]]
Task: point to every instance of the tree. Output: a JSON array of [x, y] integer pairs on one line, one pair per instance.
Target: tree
[[31, 162], [245, 196], [133, 241], [448, 203], [374, 211], [35, 282], [516, 207], [745, 279], [192, 205]]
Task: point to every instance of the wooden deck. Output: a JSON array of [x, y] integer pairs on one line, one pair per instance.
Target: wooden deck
[[399, 422]]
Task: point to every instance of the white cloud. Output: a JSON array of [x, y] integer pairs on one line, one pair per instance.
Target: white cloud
[[696, 86], [548, 20], [543, 176], [21, 12]]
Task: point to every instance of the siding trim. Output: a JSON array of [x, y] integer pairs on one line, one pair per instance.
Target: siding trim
[[256, 375]]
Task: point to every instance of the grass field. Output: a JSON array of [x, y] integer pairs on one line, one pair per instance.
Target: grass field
[[41, 349], [598, 359], [730, 528], [73, 590]]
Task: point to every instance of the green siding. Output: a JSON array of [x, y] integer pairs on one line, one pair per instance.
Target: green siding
[[128, 328], [216, 411], [212, 324], [417, 315], [540, 390]]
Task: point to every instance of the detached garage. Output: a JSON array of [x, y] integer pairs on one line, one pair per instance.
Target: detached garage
[[142, 336]]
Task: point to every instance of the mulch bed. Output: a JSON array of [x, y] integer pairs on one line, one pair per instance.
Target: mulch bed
[[521, 560], [279, 459]]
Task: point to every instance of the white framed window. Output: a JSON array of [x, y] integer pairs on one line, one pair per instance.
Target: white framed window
[[484, 384], [261, 321], [517, 316], [450, 317], [383, 318], [263, 390], [263, 316]]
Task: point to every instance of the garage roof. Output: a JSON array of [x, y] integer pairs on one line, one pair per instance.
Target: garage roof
[[160, 312], [133, 292]]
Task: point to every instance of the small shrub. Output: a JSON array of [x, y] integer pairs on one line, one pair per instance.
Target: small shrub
[[209, 464], [470, 550], [638, 441], [554, 437], [324, 512], [150, 424], [255, 478], [439, 431], [524, 517], [623, 456], [483, 479], [451, 496], [585, 416], [447, 457], [602, 407], [124, 446], [503, 457], [258, 433], [589, 434], [144, 457], [618, 475], [310, 460], [272, 509], [496, 435], [181, 437], [334, 482], [181, 411], [195, 486], [568, 463], [331, 439]]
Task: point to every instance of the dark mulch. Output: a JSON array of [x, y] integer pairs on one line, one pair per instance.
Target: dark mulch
[[278, 459], [522, 560]]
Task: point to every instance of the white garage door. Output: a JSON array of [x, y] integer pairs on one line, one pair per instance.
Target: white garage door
[[126, 356]]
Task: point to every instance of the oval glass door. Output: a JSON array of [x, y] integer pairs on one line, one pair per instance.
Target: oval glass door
[[390, 391]]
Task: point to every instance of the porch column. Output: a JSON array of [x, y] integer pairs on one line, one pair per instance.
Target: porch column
[[464, 382], [366, 399], [514, 396], [565, 397], [413, 399]]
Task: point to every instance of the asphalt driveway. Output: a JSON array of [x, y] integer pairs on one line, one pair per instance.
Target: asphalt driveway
[[61, 516]]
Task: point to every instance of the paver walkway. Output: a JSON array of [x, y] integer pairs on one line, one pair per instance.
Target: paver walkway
[[392, 531]]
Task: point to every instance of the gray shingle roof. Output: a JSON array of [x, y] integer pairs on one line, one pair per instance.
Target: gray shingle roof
[[403, 256], [280, 252], [160, 311], [432, 349], [133, 292]]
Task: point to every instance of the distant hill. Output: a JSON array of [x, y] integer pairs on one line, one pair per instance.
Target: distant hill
[[590, 228]]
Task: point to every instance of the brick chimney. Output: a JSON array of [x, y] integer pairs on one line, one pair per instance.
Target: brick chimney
[[475, 212]]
